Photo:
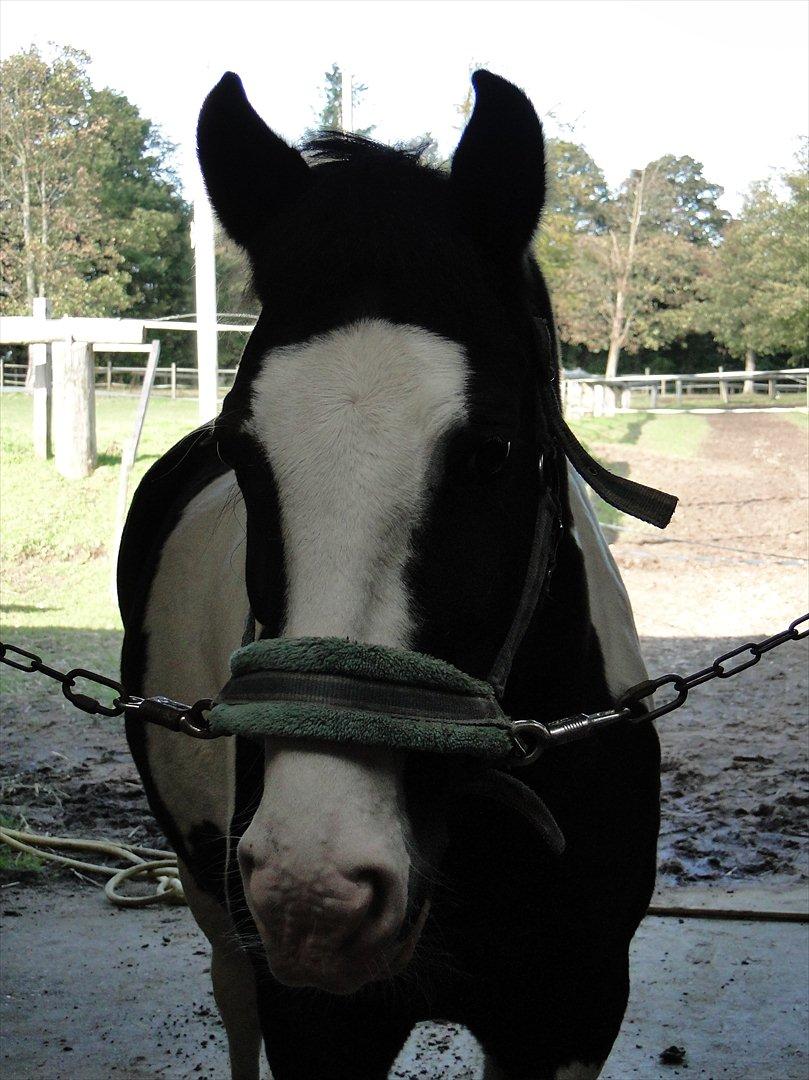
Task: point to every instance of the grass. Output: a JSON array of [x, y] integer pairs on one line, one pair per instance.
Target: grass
[[641, 400], [799, 419], [673, 435], [12, 859], [58, 534], [55, 563], [678, 435]]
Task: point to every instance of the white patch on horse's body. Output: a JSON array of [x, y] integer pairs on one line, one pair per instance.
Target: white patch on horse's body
[[610, 610], [349, 422], [193, 623]]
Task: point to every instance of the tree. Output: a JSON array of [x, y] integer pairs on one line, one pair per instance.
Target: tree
[[634, 270], [681, 202], [140, 193], [577, 203], [334, 116], [758, 290], [91, 214], [57, 242]]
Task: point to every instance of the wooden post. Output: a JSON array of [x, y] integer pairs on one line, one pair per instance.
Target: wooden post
[[74, 421], [771, 381], [174, 381], [653, 396], [205, 288], [109, 374], [39, 358], [723, 387], [129, 454], [678, 390]]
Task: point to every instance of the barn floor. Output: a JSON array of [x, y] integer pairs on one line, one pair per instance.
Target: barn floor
[[93, 993]]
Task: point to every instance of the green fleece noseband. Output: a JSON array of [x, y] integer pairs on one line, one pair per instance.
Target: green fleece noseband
[[340, 691]]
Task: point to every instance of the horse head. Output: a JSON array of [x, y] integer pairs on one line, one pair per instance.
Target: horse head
[[384, 431]]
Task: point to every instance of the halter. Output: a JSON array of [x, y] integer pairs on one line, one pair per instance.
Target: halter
[[339, 691]]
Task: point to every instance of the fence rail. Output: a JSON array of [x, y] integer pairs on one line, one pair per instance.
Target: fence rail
[[173, 378], [582, 395], [596, 396]]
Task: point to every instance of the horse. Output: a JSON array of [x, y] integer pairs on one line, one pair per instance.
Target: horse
[[373, 477]]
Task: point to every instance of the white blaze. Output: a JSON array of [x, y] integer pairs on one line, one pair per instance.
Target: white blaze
[[350, 421]]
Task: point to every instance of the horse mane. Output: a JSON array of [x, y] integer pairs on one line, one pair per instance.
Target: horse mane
[[345, 148]]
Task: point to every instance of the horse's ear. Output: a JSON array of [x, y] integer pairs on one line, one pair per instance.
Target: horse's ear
[[250, 173], [498, 169]]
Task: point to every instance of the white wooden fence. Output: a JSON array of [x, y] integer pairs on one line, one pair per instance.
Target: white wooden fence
[[595, 396], [62, 356]]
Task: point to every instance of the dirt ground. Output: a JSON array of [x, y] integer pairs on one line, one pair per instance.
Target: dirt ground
[[126, 993]]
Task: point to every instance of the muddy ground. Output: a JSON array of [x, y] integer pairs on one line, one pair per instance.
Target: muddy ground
[[732, 567]]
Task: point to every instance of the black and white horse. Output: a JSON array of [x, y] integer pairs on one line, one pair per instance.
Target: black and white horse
[[373, 476]]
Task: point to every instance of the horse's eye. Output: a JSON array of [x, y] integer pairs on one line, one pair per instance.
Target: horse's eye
[[489, 457]]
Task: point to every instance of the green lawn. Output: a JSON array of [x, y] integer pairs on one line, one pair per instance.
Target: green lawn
[[677, 435], [57, 534]]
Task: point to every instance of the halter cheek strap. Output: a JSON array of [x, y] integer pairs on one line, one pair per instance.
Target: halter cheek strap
[[646, 503]]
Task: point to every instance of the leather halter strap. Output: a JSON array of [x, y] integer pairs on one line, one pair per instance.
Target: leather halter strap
[[646, 503]]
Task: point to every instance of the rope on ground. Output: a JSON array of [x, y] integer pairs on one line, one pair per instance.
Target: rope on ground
[[151, 863], [145, 863], [731, 914]]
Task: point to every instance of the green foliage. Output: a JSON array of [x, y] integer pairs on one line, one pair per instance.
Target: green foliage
[[140, 194], [10, 858], [332, 115], [91, 214], [576, 205], [758, 290], [627, 269], [680, 202], [57, 240]]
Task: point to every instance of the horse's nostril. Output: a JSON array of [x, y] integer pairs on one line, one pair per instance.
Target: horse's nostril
[[379, 912]]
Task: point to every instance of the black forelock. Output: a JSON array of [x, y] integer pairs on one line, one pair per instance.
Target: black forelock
[[350, 149]]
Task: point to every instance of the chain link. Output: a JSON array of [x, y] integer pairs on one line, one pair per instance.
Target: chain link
[[188, 719], [530, 737]]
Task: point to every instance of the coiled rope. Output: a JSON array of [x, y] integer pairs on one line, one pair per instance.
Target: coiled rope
[[149, 864]]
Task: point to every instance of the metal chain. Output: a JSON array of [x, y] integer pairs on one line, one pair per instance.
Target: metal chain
[[530, 737], [189, 719]]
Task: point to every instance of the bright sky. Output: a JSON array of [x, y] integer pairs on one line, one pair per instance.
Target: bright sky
[[726, 81]]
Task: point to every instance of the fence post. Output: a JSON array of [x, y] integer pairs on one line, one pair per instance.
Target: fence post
[[109, 375], [723, 387], [678, 390], [173, 381], [74, 422], [653, 396], [39, 358]]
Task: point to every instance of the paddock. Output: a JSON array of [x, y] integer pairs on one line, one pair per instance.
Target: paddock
[[127, 992]]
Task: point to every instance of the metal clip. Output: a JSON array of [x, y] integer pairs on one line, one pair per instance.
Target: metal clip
[[173, 715], [558, 732]]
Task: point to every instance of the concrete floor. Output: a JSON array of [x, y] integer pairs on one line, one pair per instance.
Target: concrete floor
[[91, 993]]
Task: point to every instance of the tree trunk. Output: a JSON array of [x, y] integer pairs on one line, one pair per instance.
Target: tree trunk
[[619, 331], [749, 386], [616, 333], [30, 289]]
